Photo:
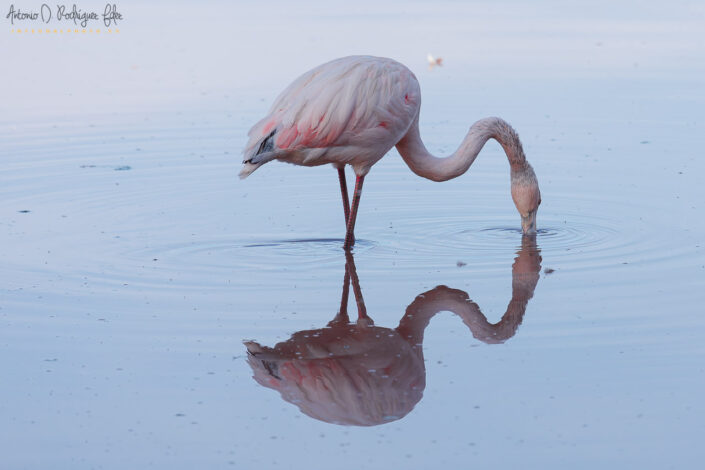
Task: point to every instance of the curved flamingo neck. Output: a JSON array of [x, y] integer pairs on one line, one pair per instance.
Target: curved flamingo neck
[[421, 162], [525, 276]]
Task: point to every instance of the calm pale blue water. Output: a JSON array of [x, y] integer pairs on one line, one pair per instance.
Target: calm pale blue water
[[137, 269]]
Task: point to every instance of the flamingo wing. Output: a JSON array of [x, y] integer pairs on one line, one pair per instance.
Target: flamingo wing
[[333, 105]]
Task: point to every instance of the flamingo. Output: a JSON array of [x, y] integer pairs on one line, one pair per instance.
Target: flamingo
[[352, 111]]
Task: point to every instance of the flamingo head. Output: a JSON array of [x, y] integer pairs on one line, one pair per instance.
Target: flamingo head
[[526, 196]]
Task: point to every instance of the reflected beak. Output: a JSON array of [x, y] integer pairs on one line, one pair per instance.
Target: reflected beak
[[528, 223]]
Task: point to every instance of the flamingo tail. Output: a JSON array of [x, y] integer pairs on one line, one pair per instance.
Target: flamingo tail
[[264, 152]]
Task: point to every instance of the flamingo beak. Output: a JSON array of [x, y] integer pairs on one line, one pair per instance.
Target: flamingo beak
[[528, 223]]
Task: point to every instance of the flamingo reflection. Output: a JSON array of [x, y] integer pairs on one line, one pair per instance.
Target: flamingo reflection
[[359, 374]]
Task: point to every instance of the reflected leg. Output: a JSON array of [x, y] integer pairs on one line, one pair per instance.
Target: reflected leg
[[362, 317]]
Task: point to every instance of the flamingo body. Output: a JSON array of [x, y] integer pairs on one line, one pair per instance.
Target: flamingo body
[[350, 111], [353, 110]]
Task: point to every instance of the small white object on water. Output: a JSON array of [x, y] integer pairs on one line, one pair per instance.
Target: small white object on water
[[432, 62]]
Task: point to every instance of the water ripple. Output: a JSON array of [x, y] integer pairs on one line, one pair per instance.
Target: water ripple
[[137, 226]]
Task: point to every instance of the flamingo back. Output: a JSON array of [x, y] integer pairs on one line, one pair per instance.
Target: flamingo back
[[348, 111]]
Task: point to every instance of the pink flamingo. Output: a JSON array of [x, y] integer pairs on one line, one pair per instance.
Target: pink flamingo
[[353, 110]]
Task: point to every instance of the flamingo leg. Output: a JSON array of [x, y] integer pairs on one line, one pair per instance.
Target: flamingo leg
[[344, 192], [349, 235]]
